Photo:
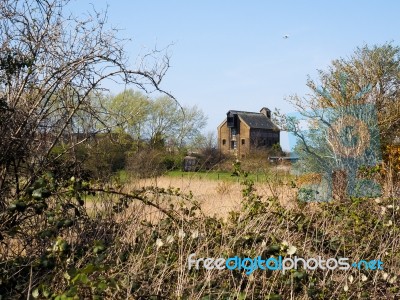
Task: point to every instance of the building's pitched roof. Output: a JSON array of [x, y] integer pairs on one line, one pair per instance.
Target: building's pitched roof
[[222, 123], [255, 120]]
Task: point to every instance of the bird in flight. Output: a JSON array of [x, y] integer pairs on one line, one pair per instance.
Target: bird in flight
[[285, 36]]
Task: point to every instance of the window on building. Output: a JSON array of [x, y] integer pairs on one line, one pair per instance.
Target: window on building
[[230, 122], [224, 142], [243, 141]]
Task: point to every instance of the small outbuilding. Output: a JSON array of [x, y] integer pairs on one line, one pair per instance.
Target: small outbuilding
[[190, 163]]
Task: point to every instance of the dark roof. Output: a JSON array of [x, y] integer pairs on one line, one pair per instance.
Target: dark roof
[[255, 120]]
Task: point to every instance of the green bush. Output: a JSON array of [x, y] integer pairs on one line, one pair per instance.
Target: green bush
[[76, 240]]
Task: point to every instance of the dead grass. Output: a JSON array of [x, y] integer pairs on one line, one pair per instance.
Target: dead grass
[[218, 198]]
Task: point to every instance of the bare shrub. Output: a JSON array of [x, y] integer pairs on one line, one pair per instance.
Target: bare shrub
[[146, 163]]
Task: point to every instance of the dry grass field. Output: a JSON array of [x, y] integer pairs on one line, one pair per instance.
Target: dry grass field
[[218, 197]]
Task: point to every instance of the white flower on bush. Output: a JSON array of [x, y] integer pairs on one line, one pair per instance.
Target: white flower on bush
[[394, 207], [350, 278], [364, 278], [393, 279], [385, 275], [195, 234], [159, 243], [264, 244], [389, 223], [284, 245], [346, 287], [170, 239], [181, 234], [383, 210], [291, 250]]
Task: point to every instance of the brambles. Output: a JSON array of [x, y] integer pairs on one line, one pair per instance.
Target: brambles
[[119, 241]]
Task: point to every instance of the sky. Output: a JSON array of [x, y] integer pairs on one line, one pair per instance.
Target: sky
[[233, 55]]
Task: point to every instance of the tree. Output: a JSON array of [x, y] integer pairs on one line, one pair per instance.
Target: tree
[[129, 111], [52, 66], [352, 113], [160, 121], [376, 69], [105, 154], [191, 121], [169, 123], [205, 141], [338, 142], [206, 146]]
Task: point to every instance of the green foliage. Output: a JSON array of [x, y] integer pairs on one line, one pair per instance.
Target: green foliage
[[99, 158], [106, 154], [161, 122], [129, 111], [79, 253]]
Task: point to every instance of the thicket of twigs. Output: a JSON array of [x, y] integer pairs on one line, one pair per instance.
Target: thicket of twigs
[[76, 240]]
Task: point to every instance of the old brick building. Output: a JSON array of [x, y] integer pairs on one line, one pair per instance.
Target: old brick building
[[241, 132]]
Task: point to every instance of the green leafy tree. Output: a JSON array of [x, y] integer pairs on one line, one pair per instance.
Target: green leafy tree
[[191, 122], [376, 68], [129, 112], [161, 121]]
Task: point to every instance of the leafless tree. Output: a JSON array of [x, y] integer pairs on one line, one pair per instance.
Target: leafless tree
[[52, 66]]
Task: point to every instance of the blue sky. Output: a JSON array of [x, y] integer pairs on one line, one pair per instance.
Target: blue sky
[[232, 54]]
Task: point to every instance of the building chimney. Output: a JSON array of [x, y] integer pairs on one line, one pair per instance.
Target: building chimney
[[266, 112]]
